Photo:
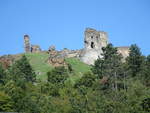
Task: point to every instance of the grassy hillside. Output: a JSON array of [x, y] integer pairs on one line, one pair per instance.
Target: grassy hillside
[[78, 67], [39, 63]]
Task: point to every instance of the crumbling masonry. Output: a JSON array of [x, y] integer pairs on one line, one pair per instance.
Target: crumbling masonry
[[30, 48], [94, 41], [27, 43]]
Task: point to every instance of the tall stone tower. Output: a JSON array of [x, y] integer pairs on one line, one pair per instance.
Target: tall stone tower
[[27, 44], [93, 43]]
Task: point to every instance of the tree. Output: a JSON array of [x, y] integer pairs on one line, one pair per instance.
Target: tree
[[22, 69], [146, 104], [58, 75], [6, 103], [109, 65], [109, 62], [134, 60], [2, 74], [98, 67], [23, 100], [87, 80], [145, 71]]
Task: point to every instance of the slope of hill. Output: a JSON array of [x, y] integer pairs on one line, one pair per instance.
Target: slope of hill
[[78, 67], [39, 63]]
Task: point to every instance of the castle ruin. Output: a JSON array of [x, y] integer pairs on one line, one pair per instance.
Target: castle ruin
[[27, 43], [30, 48], [94, 41], [35, 49]]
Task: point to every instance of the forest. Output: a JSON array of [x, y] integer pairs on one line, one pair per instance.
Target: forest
[[112, 85]]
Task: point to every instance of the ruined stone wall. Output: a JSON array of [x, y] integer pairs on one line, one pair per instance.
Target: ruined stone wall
[[30, 48], [27, 44], [93, 43], [35, 49], [104, 38], [57, 58], [70, 53]]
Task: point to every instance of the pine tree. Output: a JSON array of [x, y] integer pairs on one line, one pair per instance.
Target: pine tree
[[134, 60], [2, 74], [98, 67], [87, 80], [58, 75], [6, 103], [145, 71], [22, 70], [108, 65]]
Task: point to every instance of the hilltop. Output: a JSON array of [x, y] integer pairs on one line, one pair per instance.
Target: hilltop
[[81, 60], [40, 65]]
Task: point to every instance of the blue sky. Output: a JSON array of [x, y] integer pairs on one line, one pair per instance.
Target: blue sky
[[62, 23]]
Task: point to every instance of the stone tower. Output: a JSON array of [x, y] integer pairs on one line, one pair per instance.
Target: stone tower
[[93, 43], [27, 44]]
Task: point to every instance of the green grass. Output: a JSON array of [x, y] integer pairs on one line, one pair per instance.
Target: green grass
[[78, 67], [39, 63]]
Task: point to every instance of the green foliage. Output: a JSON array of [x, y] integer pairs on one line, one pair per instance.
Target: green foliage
[[98, 68], [109, 64], [58, 75], [38, 61], [134, 60], [77, 65], [2, 74], [23, 71], [146, 104], [109, 88], [56, 79], [86, 80], [144, 74], [6, 103], [24, 100]]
